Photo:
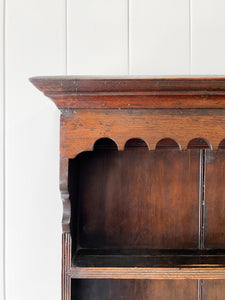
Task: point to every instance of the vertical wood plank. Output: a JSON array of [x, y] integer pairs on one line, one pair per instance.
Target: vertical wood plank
[[159, 37], [34, 45], [213, 290], [66, 265], [2, 196], [97, 37], [208, 36], [215, 199]]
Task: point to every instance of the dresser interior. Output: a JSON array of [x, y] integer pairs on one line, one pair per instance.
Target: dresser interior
[[135, 289], [148, 208], [123, 289]]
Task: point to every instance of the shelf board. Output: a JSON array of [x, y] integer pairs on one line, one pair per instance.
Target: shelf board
[[179, 258], [148, 264], [147, 273]]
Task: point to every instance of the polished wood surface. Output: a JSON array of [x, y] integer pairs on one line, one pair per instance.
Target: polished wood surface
[[156, 185]]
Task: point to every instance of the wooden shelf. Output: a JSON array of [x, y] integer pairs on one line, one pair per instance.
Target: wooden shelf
[[148, 273], [149, 264], [150, 258]]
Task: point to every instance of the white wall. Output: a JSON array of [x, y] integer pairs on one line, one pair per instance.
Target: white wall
[[34, 44], [56, 37], [2, 129]]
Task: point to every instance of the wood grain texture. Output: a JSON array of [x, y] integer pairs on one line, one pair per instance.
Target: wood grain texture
[[94, 84], [208, 273], [64, 166], [149, 258], [213, 289], [136, 199], [104, 93], [150, 125], [134, 289], [66, 266], [125, 204], [215, 199]]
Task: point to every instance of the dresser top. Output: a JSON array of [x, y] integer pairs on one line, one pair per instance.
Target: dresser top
[[133, 92]]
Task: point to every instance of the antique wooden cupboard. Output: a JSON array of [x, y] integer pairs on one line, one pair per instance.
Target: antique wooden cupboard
[[142, 180]]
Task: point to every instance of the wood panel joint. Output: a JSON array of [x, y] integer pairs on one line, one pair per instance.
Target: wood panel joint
[[202, 199]]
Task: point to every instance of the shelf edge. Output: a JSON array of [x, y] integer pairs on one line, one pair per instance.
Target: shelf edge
[[147, 273]]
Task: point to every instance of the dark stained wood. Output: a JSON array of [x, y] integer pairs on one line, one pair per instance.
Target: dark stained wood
[[105, 144], [213, 290], [136, 143], [135, 199], [199, 143], [130, 92], [149, 258], [94, 84], [167, 143], [134, 289], [123, 209], [215, 199], [136, 101], [222, 144], [66, 266], [65, 194]]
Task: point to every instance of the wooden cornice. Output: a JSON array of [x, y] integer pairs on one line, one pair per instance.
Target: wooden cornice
[[74, 92]]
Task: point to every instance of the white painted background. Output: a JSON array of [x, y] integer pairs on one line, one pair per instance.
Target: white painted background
[[57, 37]]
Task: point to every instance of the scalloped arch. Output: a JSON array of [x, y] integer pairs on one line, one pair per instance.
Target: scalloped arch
[[105, 143], [109, 143], [168, 143], [136, 143], [221, 145], [199, 143]]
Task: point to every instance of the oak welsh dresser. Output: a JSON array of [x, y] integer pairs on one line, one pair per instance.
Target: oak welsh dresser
[[142, 180]]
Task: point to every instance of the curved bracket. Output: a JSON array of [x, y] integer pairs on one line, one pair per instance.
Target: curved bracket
[[65, 194]]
